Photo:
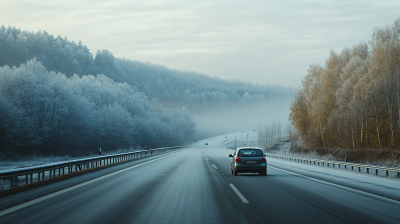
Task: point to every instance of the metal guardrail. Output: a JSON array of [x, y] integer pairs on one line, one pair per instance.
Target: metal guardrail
[[340, 165], [40, 173]]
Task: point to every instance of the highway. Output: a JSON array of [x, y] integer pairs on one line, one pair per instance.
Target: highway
[[194, 185]]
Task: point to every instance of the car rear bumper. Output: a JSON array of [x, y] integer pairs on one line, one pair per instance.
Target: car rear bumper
[[250, 169]]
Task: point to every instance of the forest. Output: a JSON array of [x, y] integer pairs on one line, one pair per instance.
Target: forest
[[47, 113], [58, 98], [353, 100], [169, 87]]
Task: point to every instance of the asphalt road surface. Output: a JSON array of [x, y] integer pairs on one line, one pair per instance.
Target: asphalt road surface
[[193, 185]]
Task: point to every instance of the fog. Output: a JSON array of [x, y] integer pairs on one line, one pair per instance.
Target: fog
[[74, 101], [218, 120]]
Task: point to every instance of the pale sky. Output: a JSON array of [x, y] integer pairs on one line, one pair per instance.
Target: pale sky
[[260, 41]]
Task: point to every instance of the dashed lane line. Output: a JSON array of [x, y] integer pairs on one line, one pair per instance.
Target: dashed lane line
[[239, 194]]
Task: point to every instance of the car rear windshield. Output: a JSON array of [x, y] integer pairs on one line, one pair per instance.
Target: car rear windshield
[[250, 153]]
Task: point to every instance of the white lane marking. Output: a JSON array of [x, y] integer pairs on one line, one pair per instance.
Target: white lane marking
[[239, 194], [355, 191], [215, 166], [29, 203]]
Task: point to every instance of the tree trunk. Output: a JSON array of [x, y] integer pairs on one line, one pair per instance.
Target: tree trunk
[[366, 131], [352, 134], [362, 131], [377, 129], [390, 113], [320, 128]]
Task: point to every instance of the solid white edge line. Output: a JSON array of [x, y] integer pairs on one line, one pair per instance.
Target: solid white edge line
[[239, 194], [43, 198], [359, 192], [215, 166]]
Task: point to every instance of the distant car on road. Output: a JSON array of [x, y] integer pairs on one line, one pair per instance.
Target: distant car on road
[[248, 160], [206, 143], [226, 137]]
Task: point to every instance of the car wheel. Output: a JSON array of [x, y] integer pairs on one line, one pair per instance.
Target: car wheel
[[265, 173], [234, 172]]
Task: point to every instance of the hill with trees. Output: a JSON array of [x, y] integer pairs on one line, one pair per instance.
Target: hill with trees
[[47, 113], [169, 87], [57, 97]]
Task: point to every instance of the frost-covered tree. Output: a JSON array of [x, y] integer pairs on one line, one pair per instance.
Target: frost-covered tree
[[48, 112]]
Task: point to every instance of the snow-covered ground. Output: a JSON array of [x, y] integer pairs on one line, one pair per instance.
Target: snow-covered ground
[[43, 160]]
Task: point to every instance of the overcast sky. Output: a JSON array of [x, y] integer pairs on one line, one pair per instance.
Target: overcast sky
[[264, 42]]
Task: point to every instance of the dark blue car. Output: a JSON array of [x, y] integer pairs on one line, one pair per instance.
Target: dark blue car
[[248, 160]]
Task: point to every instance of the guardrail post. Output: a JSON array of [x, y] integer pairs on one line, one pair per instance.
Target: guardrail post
[[26, 179], [31, 178], [1, 184], [387, 173]]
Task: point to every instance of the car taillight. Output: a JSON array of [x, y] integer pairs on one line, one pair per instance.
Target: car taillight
[[238, 159], [263, 160]]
